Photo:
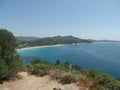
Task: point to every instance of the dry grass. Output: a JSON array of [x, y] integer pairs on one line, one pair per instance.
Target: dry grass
[[85, 82], [66, 78]]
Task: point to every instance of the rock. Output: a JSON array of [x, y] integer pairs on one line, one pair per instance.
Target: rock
[[57, 89], [84, 88], [19, 77], [78, 83]]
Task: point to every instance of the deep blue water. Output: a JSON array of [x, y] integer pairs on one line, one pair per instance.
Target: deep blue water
[[104, 56]]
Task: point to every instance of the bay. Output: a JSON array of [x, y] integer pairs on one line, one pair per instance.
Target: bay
[[103, 56]]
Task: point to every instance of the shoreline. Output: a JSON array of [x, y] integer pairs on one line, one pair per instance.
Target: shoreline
[[45, 46], [34, 47]]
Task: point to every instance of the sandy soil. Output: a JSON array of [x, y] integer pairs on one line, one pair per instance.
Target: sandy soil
[[31, 82]]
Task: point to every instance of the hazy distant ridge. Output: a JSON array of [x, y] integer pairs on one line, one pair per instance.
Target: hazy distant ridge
[[25, 38]]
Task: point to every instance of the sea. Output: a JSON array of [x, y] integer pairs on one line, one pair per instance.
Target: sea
[[103, 56]]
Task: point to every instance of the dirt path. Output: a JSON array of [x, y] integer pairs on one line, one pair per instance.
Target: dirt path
[[31, 82]]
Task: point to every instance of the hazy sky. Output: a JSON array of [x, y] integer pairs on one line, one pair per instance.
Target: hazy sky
[[93, 19]]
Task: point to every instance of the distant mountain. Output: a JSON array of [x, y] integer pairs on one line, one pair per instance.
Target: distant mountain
[[24, 38], [107, 41], [52, 40]]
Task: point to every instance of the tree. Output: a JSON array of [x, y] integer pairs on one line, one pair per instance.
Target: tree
[[8, 53], [36, 61], [57, 62], [8, 44]]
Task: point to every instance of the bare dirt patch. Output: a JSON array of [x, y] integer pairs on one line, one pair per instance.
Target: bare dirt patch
[[31, 82]]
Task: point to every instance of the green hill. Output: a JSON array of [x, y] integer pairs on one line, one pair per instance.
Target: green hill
[[54, 40]]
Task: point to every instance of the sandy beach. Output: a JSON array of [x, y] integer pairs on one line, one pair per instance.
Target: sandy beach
[[27, 48]]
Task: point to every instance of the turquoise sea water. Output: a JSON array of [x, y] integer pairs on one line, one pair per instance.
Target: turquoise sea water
[[104, 56]]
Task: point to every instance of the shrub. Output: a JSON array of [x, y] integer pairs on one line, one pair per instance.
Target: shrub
[[57, 62], [66, 64], [104, 80], [3, 70], [76, 67], [39, 69], [39, 72], [29, 68], [55, 74], [86, 82], [14, 66], [12, 63], [67, 79], [36, 61]]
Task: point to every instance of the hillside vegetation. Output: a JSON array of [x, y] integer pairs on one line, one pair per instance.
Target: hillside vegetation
[[10, 62], [65, 73], [53, 41]]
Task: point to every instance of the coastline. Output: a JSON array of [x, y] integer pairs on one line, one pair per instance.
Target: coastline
[[34, 47]]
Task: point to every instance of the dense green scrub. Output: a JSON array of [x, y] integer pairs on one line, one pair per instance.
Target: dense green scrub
[[10, 62]]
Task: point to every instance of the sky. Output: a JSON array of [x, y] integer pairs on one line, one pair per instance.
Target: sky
[[88, 19]]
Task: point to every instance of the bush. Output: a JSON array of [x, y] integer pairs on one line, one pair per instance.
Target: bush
[[39, 69], [85, 81], [36, 61], [14, 66], [55, 74], [67, 64], [3, 70], [39, 72], [10, 63], [29, 68], [76, 67], [58, 62], [67, 79], [104, 80]]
